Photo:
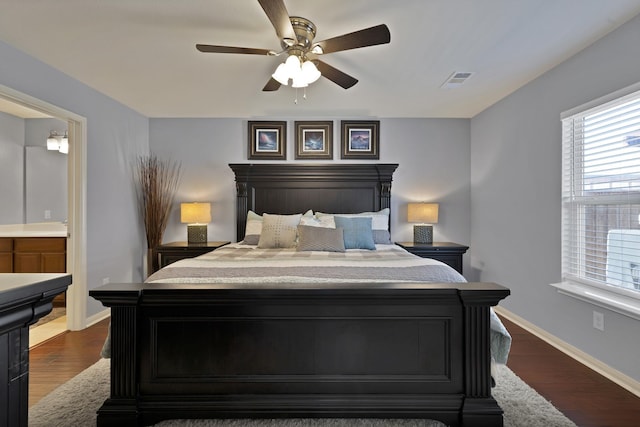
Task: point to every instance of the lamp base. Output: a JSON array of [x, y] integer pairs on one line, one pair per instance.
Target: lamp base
[[422, 234], [196, 233]]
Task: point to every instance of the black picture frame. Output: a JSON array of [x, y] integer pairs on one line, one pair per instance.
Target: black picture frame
[[314, 140], [267, 140], [360, 139]]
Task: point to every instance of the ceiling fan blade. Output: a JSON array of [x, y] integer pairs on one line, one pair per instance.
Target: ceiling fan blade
[[368, 37], [335, 75], [279, 17], [271, 85], [209, 48]]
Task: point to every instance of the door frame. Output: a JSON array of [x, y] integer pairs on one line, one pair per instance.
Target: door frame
[[77, 294]]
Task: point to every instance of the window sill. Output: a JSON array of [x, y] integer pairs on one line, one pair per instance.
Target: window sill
[[620, 304]]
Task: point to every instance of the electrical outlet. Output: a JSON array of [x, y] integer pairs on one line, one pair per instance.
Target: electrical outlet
[[105, 280], [47, 214], [598, 320]]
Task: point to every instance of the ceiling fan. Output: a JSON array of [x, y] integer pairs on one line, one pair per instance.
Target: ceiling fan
[[296, 36]]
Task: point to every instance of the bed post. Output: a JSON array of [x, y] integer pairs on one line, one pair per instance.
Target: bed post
[[242, 173], [479, 407], [385, 175], [121, 408], [242, 209]]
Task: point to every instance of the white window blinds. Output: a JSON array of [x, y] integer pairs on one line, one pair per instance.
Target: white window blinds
[[601, 196]]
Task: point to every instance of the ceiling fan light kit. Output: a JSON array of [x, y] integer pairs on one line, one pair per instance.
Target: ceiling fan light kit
[[301, 75], [296, 36]]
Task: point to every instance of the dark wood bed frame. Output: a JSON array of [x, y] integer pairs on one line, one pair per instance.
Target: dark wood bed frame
[[393, 350]]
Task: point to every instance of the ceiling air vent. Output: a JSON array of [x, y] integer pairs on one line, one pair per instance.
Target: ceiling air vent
[[456, 79]]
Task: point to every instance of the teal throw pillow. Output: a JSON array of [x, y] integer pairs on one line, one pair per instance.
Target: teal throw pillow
[[357, 232]]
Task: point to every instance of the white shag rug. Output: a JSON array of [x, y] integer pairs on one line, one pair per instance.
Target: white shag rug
[[75, 403]]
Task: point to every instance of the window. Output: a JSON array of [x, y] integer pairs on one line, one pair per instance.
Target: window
[[601, 197]]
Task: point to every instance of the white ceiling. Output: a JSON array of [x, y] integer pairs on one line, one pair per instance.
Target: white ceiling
[[142, 52]]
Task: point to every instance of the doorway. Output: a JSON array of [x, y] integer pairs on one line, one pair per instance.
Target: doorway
[[76, 296]]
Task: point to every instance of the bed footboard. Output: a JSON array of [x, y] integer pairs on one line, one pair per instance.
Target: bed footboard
[[369, 351]]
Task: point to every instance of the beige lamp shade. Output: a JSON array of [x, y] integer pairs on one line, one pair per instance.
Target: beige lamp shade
[[196, 216], [195, 213], [423, 213]]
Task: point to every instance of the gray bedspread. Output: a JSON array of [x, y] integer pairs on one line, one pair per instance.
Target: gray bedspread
[[249, 265]]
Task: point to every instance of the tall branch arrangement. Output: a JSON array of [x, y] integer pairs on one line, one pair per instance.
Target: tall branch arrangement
[[157, 184]]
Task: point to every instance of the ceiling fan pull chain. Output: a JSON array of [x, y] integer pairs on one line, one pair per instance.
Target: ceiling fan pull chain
[[304, 94], [295, 101]]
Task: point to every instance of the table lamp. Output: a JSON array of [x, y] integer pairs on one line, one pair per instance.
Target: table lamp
[[426, 214], [196, 215]]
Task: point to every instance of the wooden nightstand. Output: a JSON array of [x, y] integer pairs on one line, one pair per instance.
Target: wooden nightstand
[[447, 252], [175, 251]]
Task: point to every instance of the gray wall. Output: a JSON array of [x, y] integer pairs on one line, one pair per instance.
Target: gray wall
[[515, 197], [11, 175], [115, 136], [32, 179], [46, 185], [45, 172], [433, 156]]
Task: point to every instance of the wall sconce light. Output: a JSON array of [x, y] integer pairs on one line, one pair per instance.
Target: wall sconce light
[[64, 144], [57, 142], [196, 216], [426, 214]]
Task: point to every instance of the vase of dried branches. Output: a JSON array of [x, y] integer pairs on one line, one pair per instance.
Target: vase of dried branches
[[157, 182]]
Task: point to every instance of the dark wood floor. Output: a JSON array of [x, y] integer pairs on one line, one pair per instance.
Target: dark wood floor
[[584, 396], [59, 359]]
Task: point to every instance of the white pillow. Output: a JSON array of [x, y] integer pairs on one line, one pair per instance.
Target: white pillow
[[379, 223], [253, 228], [279, 231], [325, 221]]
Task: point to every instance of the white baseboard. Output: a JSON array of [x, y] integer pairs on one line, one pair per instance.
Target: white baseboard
[[589, 361], [92, 320]]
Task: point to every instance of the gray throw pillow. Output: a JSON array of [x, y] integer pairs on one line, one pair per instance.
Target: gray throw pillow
[[320, 239]]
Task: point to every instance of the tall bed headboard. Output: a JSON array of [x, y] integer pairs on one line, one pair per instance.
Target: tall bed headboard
[[296, 188]]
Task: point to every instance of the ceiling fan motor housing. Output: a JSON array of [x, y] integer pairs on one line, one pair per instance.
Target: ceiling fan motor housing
[[305, 32]]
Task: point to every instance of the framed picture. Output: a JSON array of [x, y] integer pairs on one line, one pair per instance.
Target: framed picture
[[267, 140], [360, 139], [314, 140]]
